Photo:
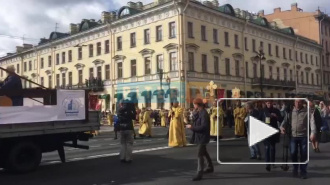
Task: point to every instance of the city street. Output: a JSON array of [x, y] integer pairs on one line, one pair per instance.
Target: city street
[[155, 163]]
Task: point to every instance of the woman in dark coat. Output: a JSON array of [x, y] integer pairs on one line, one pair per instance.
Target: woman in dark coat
[[201, 137], [270, 116]]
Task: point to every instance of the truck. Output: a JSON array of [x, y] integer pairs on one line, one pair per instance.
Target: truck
[[61, 120]]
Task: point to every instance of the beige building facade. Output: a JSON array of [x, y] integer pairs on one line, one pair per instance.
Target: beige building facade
[[312, 25], [188, 42]]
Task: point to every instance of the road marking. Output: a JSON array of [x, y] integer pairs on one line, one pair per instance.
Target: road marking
[[117, 153], [95, 146], [147, 140], [114, 144]]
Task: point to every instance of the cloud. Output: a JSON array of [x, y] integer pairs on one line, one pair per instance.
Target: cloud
[[36, 19]]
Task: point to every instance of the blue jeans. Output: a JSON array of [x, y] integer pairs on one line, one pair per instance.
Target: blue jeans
[[269, 152], [254, 150], [301, 143]]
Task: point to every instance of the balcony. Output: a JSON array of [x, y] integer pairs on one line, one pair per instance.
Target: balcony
[[94, 85], [273, 83], [309, 86]]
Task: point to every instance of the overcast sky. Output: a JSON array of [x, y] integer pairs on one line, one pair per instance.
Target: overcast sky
[[35, 19]]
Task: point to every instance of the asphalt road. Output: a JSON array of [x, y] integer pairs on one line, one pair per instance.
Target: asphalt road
[[155, 163]]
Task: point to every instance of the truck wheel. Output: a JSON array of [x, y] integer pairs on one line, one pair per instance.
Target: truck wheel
[[24, 157]]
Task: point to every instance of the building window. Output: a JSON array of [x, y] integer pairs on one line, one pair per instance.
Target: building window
[[63, 80], [147, 36], [254, 45], [317, 79], [246, 44], [215, 36], [191, 61], [284, 53], [262, 71], [120, 70], [270, 50], [42, 63], [70, 56], [70, 78], [190, 30], [261, 45], [98, 48], [49, 61], [255, 70], [106, 46], [30, 65], [237, 67], [173, 61], [227, 60], [278, 73], [57, 80], [172, 29], [79, 53], [236, 41], [160, 62], [17, 68], [203, 33], [277, 51], [270, 72], [25, 67], [301, 57], [159, 33], [204, 63], [119, 43], [91, 50], [216, 65], [147, 65], [99, 72], [290, 54], [285, 74], [227, 39], [63, 57], [80, 76], [296, 54], [306, 58], [316, 61], [312, 60], [312, 78], [307, 77], [133, 68], [302, 77], [57, 59], [291, 75], [247, 69], [107, 72], [91, 73], [50, 81], [133, 40]]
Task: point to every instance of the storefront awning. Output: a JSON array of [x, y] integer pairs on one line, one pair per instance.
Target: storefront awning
[[104, 96], [132, 95], [146, 93], [159, 92], [119, 96], [172, 91]]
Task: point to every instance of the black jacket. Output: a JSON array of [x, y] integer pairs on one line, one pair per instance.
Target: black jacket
[[125, 116], [255, 113], [201, 127], [273, 122], [13, 82]]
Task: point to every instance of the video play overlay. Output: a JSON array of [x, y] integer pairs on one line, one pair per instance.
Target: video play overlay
[[264, 130]]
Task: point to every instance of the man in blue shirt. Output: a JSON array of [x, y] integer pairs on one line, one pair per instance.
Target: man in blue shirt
[[13, 82]]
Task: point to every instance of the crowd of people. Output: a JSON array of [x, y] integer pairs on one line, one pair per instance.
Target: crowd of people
[[289, 117]]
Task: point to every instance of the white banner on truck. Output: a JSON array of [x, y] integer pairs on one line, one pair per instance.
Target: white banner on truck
[[70, 106]]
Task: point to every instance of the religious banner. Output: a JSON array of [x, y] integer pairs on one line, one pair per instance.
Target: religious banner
[[220, 93], [236, 93]]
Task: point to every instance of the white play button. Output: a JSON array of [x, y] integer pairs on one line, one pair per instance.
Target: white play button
[[259, 131]]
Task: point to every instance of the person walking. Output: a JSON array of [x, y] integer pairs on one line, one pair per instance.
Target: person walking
[[162, 114], [216, 120], [125, 116], [315, 126], [145, 123], [201, 137], [239, 116], [251, 111], [271, 116], [177, 133], [299, 140]]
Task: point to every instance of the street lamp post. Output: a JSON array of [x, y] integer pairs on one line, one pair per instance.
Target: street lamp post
[[260, 56], [168, 81]]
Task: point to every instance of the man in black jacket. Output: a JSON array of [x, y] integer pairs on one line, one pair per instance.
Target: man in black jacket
[[125, 116], [271, 116], [201, 137], [13, 82]]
